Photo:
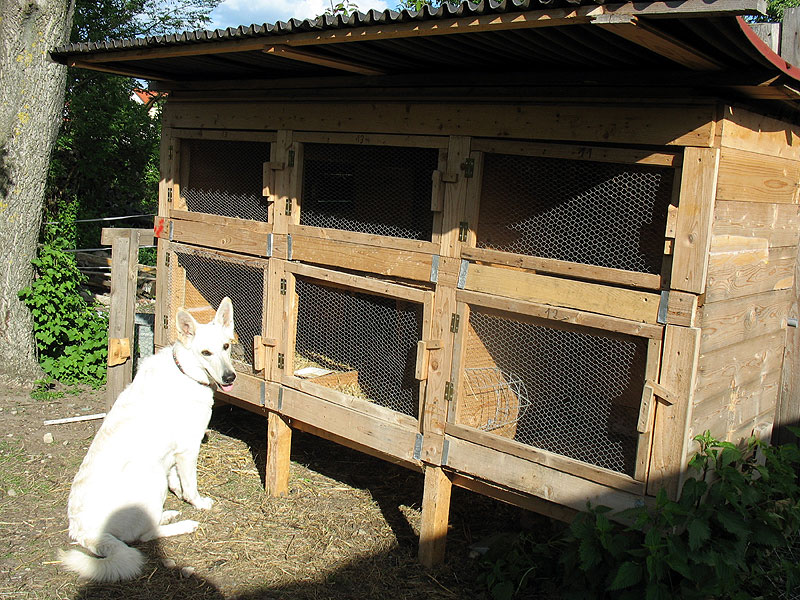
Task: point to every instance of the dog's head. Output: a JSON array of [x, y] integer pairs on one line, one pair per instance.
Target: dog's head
[[210, 343]]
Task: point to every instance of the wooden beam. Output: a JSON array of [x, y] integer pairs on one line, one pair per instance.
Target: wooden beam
[[306, 56], [435, 516], [644, 34], [279, 447]]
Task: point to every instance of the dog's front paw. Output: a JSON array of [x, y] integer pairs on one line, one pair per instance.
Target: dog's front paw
[[202, 502]]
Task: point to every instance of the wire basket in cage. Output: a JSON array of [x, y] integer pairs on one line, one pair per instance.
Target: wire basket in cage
[[493, 400]]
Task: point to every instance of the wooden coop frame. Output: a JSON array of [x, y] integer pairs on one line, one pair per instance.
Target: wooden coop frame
[[702, 337]]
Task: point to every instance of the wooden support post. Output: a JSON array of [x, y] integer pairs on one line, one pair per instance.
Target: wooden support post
[[124, 269], [279, 448], [435, 516]]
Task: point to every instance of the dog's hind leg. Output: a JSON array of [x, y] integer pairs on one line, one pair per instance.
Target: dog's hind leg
[[162, 531], [174, 482]]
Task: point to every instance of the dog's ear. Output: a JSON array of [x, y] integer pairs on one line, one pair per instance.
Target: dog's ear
[[224, 316], [187, 326]]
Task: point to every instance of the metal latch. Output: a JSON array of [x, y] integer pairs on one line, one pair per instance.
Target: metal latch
[[283, 287], [448, 391], [281, 361], [463, 230], [468, 166]]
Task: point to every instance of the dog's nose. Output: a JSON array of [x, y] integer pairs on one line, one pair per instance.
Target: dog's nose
[[228, 377]]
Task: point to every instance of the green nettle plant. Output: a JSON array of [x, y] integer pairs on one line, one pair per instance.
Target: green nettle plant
[[730, 535], [71, 336]]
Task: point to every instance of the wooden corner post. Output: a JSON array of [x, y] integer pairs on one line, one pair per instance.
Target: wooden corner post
[[435, 516]]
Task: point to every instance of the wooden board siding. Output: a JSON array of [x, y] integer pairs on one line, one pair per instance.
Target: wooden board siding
[[750, 292], [690, 125]]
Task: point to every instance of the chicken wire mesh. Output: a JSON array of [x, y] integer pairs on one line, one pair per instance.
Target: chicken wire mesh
[[367, 344], [574, 393], [382, 190], [226, 178], [604, 214], [199, 281]]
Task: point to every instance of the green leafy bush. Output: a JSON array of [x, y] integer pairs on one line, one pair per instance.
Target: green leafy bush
[[730, 535], [71, 336]]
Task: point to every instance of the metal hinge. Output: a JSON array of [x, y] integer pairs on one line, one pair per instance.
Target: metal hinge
[[288, 206], [283, 287], [448, 391], [291, 158], [169, 154], [169, 194], [454, 321], [463, 230], [281, 361], [167, 258], [166, 321], [468, 166], [418, 447]]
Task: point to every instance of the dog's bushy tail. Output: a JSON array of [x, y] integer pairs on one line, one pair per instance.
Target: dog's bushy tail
[[116, 561]]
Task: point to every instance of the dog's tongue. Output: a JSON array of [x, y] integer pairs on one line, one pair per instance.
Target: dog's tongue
[[227, 388]]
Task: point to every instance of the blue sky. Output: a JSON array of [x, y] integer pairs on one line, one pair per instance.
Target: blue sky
[[232, 13]]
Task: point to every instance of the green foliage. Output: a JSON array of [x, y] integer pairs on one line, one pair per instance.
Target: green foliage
[[344, 8], [775, 8], [419, 4], [70, 334], [729, 536]]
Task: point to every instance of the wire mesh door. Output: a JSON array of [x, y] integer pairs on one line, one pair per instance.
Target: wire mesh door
[[225, 178], [595, 213], [381, 190], [200, 279], [359, 344], [572, 391]]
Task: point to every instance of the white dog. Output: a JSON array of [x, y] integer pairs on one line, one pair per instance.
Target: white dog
[[149, 441]]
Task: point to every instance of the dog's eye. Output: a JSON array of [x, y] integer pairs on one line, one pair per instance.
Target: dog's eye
[[206, 353], [225, 346]]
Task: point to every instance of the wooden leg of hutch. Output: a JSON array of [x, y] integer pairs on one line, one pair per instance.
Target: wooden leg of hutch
[[435, 516], [279, 447]]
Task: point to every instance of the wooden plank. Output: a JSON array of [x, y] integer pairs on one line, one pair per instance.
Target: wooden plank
[[728, 411], [679, 369], [733, 366], [561, 315], [365, 239], [529, 477], [281, 184], [634, 124], [453, 212], [787, 412], [253, 227], [348, 443], [741, 319], [742, 225], [314, 58], [279, 448], [380, 435], [563, 267], [243, 259], [222, 237], [749, 271], [372, 139], [548, 459], [367, 407], [125, 261], [743, 129], [435, 516], [357, 282], [580, 152], [590, 297], [345, 255], [695, 218], [647, 413], [162, 304], [223, 135], [537, 505], [750, 177], [647, 35], [790, 36]]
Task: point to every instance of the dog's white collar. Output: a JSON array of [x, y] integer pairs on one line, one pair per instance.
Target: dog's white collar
[[180, 368]]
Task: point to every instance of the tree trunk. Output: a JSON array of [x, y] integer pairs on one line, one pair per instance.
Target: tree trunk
[[31, 109]]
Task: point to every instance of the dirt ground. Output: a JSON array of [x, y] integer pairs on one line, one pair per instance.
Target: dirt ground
[[348, 528]]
